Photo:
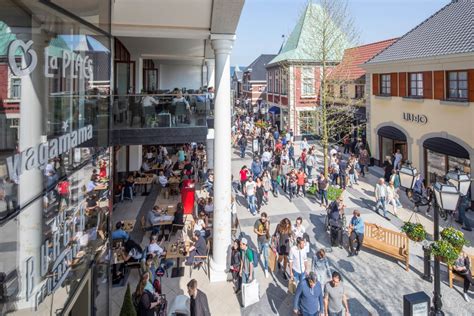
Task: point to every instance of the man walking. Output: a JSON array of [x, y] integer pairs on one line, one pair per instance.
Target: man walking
[[356, 229], [198, 303], [250, 187], [291, 154], [301, 182], [242, 145], [309, 297], [381, 197], [298, 260], [363, 160], [275, 173], [335, 297], [246, 265], [310, 162], [262, 229]]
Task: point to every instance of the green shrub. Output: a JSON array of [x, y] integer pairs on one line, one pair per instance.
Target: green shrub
[[414, 231], [127, 307], [334, 193]]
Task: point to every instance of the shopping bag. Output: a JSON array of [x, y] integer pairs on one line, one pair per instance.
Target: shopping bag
[[292, 287], [272, 259], [250, 293]]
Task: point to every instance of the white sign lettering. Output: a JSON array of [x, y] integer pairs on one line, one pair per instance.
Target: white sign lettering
[[26, 47]]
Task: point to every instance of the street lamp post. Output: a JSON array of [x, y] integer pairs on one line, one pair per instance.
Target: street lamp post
[[444, 196]]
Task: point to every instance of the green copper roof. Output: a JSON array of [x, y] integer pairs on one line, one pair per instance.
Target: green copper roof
[[304, 42], [5, 39]]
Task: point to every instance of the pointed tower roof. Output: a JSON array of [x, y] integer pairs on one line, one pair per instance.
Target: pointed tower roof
[[300, 44]]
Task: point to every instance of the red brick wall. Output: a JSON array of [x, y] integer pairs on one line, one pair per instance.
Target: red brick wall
[[3, 81], [270, 97], [284, 100], [297, 84], [317, 83]]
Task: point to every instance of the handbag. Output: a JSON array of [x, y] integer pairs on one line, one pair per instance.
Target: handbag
[[292, 287], [272, 259], [250, 293]]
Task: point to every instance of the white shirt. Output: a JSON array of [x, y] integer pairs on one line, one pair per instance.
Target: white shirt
[[149, 101], [298, 231], [332, 152], [250, 188], [266, 156], [199, 225], [209, 208], [298, 258], [155, 248], [163, 180]]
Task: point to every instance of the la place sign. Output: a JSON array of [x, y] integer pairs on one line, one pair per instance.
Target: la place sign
[[415, 118]]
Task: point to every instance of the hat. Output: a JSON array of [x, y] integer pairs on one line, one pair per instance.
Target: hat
[[243, 240]]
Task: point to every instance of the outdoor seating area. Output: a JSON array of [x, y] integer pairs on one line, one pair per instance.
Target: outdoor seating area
[[176, 230]]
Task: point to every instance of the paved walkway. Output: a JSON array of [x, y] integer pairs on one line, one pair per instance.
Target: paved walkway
[[375, 284]]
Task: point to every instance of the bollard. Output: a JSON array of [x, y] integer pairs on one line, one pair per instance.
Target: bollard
[[427, 263]]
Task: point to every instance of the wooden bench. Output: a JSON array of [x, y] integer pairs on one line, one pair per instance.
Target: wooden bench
[[453, 276], [388, 242]]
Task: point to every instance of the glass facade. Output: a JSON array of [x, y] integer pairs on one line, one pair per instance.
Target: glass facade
[[54, 160]]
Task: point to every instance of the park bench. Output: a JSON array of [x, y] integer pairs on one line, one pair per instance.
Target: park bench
[[453, 276], [388, 242]]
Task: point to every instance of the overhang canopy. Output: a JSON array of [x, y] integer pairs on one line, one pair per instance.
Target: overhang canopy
[[392, 133], [446, 146]]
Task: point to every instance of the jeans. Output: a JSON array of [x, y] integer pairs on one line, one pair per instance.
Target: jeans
[[284, 184], [309, 170], [251, 203], [362, 169], [275, 187], [298, 277], [335, 176], [246, 277], [292, 192], [381, 201], [342, 180], [335, 314], [324, 196], [265, 164], [263, 249], [303, 188], [242, 152], [11, 200], [352, 178], [292, 159]]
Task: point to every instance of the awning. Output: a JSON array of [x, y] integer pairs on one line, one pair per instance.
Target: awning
[[274, 110], [446, 146], [392, 133]]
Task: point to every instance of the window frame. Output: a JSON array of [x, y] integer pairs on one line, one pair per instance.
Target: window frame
[[457, 97], [359, 94], [11, 94], [343, 91], [307, 80], [385, 90], [419, 85], [284, 83]]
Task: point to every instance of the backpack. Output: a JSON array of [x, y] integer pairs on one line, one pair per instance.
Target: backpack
[[255, 257]]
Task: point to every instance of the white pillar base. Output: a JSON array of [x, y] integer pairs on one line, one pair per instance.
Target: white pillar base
[[217, 272]]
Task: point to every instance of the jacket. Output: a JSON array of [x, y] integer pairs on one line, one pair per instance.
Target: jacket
[[201, 306]]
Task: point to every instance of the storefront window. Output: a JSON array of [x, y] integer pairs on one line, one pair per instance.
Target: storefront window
[[55, 73], [387, 148], [436, 166], [461, 163], [308, 120]]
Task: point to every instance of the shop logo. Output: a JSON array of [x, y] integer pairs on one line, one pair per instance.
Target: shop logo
[[415, 118], [26, 47]]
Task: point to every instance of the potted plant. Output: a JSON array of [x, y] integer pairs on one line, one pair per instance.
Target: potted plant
[[334, 193], [127, 307], [444, 251], [454, 237], [414, 231]]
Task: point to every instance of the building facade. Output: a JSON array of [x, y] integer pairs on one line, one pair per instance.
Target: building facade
[[422, 94], [254, 83]]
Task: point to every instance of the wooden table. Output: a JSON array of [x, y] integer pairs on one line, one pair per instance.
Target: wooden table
[[177, 271], [100, 187], [202, 194], [144, 181], [117, 256]]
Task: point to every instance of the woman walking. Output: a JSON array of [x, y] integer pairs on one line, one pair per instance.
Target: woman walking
[[235, 261], [282, 242]]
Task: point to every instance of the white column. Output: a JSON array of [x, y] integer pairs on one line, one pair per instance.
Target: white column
[[222, 45], [211, 68], [210, 148]]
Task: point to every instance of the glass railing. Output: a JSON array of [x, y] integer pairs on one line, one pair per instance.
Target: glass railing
[[161, 110]]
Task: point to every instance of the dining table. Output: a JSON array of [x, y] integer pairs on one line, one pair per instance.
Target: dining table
[[177, 248], [145, 181]]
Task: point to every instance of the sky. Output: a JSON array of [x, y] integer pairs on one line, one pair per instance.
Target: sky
[[263, 22]]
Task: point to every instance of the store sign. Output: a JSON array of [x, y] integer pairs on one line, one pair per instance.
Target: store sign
[[39, 155], [69, 64], [415, 118], [56, 257]]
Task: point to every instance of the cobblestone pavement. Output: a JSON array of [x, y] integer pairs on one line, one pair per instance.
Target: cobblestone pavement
[[375, 284]]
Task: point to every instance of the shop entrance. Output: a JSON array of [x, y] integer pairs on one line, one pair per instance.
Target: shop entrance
[[391, 139]]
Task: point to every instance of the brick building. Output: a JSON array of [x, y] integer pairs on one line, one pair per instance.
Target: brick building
[[254, 80]]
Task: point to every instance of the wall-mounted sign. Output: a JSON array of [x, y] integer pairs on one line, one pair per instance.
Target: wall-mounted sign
[[61, 60], [415, 118]]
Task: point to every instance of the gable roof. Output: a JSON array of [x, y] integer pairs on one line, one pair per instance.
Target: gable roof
[[448, 31], [349, 68], [258, 67], [300, 44]]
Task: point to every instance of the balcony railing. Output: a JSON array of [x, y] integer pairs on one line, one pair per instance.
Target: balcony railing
[[161, 110]]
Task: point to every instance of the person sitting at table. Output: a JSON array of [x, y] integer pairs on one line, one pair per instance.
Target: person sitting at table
[[179, 215], [119, 233], [154, 248], [163, 180], [201, 224], [209, 184], [181, 155], [188, 168], [145, 166], [199, 248], [209, 208], [167, 162], [91, 184], [153, 217], [132, 252], [201, 204]]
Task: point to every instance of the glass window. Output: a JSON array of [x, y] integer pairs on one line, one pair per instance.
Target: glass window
[[461, 163], [308, 122], [307, 81], [270, 83], [457, 85], [277, 85], [416, 84], [343, 91], [385, 87], [359, 91], [387, 148], [436, 165], [15, 88], [284, 83]]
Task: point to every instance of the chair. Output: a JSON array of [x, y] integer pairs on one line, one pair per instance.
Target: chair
[[117, 243], [199, 261], [174, 189]]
